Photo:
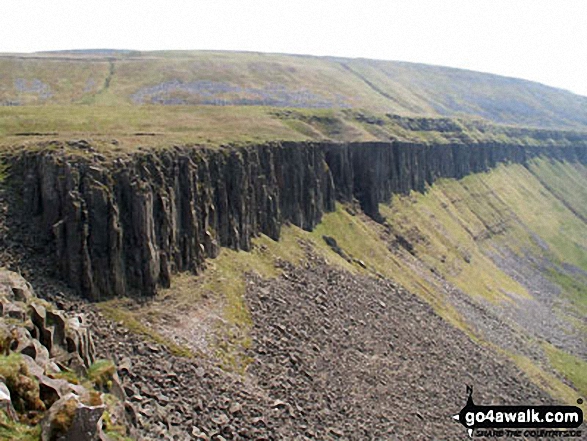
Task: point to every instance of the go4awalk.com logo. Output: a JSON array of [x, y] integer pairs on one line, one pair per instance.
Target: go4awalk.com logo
[[520, 421]]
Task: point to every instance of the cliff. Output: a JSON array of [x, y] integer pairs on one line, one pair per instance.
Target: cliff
[[122, 226]]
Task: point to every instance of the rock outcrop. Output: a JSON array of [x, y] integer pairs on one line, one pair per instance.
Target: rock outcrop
[[52, 339], [373, 172], [82, 420], [47, 367], [122, 226]]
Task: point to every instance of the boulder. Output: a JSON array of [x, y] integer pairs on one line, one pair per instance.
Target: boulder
[[38, 314], [37, 352], [22, 338], [78, 339], [124, 366], [14, 287], [53, 389], [69, 419], [116, 388], [56, 324], [73, 362], [23, 294], [33, 367], [13, 310]]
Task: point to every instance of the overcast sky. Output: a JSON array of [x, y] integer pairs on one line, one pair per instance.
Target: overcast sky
[[539, 40]]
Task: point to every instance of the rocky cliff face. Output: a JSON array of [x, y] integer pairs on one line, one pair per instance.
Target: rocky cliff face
[[123, 226], [372, 172]]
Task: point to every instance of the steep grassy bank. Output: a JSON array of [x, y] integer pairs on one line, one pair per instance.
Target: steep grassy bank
[[509, 241]]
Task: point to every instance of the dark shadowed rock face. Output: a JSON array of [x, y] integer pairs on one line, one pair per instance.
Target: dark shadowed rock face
[[124, 226]]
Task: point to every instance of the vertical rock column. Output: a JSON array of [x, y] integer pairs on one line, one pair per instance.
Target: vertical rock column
[[123, 227]]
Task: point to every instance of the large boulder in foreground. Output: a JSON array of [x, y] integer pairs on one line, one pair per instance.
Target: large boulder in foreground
[[71, 420]]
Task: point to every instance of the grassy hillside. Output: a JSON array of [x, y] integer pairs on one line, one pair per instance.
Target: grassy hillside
[[123, 78], [118, 129]]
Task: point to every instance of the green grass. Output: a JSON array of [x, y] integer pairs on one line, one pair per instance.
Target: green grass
[[572, 368], [444, 226], [457, 224], [10, 364], [546, 380], [566, 181], [101, 372], [116, 129], [11, 430], [544, 212], [379, 86], [66, 82], [426, 89], [133, 126], [67, 375], [91, 96], [573, 287], [116, 311]]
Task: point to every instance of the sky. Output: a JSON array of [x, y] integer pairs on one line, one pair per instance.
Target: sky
[[538, 40]]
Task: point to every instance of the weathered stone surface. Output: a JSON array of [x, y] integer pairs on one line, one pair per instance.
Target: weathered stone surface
[[61, 339], [81, 421], [46, 336], [34, 369], [6, 400], [123, 227], [14, 287], [61, 342], [116, 388], [22, 339], [37, 352], [12, 310], [51, 390], [79, 340], [38, 314]]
